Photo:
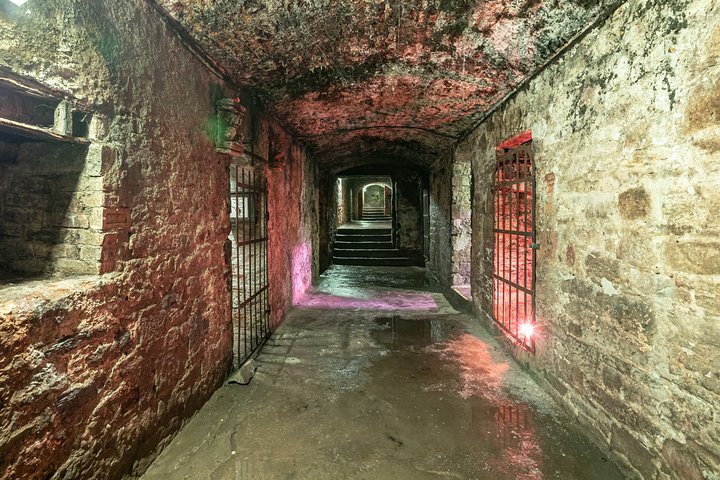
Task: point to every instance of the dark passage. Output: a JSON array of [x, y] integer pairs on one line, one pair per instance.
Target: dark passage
[[376, 376]]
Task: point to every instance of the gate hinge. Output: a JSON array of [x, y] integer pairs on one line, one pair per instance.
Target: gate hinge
[[535, 246]]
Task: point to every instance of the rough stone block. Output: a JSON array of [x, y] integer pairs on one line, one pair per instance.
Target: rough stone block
[[63, 118], [683, 464], [244, 374], [634, 203], [13, 230], [27, 265], [598, 266], [90, 254], [93, 199], [73, 266], [690, 213], [116, 218], [25, 200], [625, 444], [79, 220], [696, 256], [67, 251]]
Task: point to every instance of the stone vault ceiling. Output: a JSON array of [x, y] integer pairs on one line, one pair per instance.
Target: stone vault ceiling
[[402, 79]]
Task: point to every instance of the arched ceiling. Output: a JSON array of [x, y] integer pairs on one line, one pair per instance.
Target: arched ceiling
[[380, 77]]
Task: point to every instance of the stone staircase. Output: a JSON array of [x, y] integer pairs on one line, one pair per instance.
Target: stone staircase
[[367, 246], [375, 214]]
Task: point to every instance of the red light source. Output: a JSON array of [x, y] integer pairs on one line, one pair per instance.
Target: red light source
[[527, 330]]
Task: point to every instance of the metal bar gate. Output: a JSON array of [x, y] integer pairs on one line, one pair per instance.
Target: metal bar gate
[[249, 234], [514, 253], [426, 222]]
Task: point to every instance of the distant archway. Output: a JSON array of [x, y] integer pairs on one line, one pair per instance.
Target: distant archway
[[377, 195]]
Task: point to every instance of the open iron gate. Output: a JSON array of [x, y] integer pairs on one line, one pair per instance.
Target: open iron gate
[[249, 234]]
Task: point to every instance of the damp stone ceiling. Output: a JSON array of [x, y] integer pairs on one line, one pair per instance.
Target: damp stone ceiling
[[398, 80]]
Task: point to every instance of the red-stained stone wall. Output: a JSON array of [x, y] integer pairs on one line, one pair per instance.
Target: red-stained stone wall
[[293, 228], [99, 369]]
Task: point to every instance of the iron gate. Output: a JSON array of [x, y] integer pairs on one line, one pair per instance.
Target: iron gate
[[249, 223], [514, 253], [426, 222]]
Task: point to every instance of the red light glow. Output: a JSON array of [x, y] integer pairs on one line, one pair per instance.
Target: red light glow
[[527, 330]]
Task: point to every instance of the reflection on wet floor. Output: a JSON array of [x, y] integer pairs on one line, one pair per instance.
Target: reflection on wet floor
[[358, 300], [355, 394], [396, 332]]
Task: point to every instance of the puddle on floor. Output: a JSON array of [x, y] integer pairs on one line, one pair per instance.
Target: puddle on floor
[[396, 332]]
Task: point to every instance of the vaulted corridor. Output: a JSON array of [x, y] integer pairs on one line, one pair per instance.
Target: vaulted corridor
[[375, 375], [473, 239]]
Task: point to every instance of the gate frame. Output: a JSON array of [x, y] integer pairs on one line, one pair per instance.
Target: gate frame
[[250, 278], [511, 171]]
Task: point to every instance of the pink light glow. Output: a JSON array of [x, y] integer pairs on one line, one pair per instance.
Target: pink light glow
[[527, 330], [480, 374], [377, 301], [301, 270]]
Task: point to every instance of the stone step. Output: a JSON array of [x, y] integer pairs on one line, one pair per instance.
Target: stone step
[[365, 261], [363, 238], [363, 245], [363, 231], [367, 253]]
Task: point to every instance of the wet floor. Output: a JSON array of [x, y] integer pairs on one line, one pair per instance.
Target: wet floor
[[372, 387]]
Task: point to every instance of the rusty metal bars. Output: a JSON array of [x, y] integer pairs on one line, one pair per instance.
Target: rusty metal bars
[[250, 285], [514, 239]]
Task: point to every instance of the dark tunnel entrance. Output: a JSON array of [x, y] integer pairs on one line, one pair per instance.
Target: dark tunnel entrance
[[375, 217]]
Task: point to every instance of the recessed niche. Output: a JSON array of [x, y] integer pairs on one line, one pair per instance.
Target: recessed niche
[[50, 202], [49, 211]]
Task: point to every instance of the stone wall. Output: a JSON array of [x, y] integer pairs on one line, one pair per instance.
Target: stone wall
[[342, 197], [409, 212], [294, 226], [408, 185], [374, 197], [102, 369], [50, 209], [329, 203], [440, 261], [352, 195], [461, 238], [626, 144]]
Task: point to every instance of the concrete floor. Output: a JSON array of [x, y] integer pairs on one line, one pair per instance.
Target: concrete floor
[[375, 376]]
